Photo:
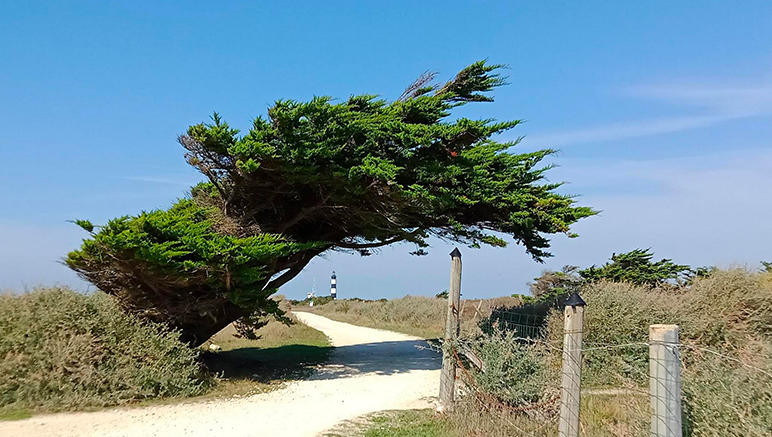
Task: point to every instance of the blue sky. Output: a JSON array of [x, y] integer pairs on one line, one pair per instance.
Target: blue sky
[[662, 112]]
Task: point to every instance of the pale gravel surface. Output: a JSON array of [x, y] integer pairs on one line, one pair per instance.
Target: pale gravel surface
[[370, 370]]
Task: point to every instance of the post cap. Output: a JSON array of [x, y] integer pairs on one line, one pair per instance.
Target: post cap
[[575, 300], [456, 253]]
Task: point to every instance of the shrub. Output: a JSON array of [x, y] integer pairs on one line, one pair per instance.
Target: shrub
[[554, 287], [725, 322], [729, 307], [318, 300], [618, 313], [63, 350], [524, 320], [516, 373], [725, 399]]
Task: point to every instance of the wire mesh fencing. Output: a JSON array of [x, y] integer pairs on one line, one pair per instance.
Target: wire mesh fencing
[[550, 376], [541, 376], [537, 367]]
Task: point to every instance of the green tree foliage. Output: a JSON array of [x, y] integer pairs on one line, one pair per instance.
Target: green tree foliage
[[700, 272], [554, 287], [324, 175], [162, 263], [766, 266], [636, 267]]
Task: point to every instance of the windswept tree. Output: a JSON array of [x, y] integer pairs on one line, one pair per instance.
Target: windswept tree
[[318, 176], [637, 267], [554, 287]]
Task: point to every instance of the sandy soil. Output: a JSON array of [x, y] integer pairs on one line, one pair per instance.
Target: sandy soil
[[370, 370]]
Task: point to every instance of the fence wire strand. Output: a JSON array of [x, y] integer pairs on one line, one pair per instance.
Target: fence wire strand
[[637, 383]]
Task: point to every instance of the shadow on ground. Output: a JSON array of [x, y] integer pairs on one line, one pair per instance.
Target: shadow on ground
[[267, 364], [299, 361], [385, 358]]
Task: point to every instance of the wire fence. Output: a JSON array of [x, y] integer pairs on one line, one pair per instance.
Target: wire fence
[[544, 379]]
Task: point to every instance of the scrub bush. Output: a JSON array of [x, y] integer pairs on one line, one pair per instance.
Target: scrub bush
[[725, 324], [63, 350]]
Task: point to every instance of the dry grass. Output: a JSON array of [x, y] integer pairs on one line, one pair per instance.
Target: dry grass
[[407, 423], [726, 332], [282, 353], [414, 315], [725, 323], [601, 416]]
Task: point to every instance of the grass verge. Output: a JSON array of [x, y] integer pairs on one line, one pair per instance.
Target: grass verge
[[282, 353], [602, 415], [407, 423], [413, 315]]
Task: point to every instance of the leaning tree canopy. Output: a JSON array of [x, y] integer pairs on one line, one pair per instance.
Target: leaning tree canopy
[[324, 175], [366, 172]]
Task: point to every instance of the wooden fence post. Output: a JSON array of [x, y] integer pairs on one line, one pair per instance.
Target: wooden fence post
[[665, 381], [572, 367], [452, 328]]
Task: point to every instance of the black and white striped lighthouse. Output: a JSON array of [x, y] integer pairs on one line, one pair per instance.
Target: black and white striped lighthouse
[[333, 285]]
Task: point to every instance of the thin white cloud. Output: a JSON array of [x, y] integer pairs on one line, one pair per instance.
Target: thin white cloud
[[705, 210], [717, 174], [718, 104], [746, 100], [620, 131]]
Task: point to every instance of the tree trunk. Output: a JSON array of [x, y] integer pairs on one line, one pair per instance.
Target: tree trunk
[[196, 332]]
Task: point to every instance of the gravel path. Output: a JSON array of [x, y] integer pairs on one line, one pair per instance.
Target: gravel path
[[370, 370]]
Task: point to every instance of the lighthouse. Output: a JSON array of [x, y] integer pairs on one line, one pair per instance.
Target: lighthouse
[[333, 285]]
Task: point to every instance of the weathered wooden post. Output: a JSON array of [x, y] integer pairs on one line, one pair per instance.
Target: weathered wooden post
[[665, 381], [572, 367], [452, 328]]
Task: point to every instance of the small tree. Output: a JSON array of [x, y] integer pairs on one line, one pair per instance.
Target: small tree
[[554, 287], [318, 176], [636, 267]]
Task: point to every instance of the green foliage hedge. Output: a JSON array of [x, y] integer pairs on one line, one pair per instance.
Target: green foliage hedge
[[63, 350]]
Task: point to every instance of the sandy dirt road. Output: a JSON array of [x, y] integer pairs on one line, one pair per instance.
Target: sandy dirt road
[[370, 370]]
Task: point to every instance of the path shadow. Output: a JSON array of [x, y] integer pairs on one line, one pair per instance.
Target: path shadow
[[267, 364], [384, 358], [300, 361]]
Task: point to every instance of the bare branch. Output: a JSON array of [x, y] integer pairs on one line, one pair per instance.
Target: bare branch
[[421, 82]]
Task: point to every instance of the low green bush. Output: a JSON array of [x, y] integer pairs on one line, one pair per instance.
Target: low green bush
[[725, 324], [64, 350], [516, 372]]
